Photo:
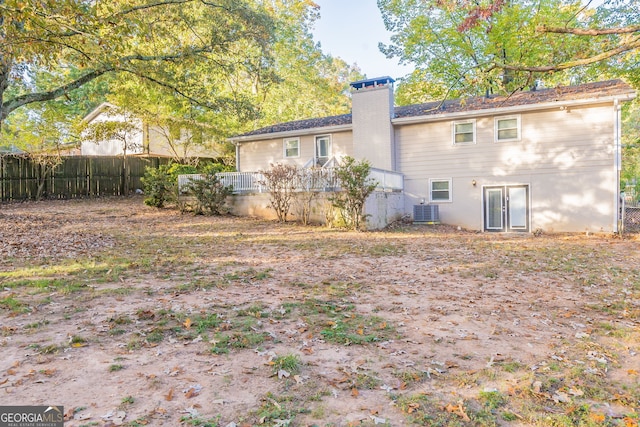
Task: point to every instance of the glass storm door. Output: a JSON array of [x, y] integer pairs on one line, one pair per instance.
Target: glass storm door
[[506, 208], [323, 149]]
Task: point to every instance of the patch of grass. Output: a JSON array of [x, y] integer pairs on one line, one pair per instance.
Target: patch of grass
[[49, 349], [14, 305], [202, 324], [278, 409], [77, 339], [363, 381], [289, 363], [220, 344], [410, 377], [37, 324], [492, 399], [386, 249], [199, 422], [116, 367], [512, 366], [127, 400], [422, 410], [135, 343], [246, 340], [155, 336], [257, 311]]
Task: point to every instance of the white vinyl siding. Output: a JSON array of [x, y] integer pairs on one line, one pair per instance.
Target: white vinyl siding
[[260, 154], [291, 148], [567, 159], [464, 132], [507, 128]]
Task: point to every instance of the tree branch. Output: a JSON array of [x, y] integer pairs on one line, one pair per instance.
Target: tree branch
[[625, 47], [588, 31], [28, 98]]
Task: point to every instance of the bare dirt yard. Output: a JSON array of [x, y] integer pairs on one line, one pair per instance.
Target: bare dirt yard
[[130, 315]]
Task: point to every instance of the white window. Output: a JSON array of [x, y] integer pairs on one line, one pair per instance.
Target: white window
[[507, 128], [440, 190], [291, 147], [323, 149], [464, 132]]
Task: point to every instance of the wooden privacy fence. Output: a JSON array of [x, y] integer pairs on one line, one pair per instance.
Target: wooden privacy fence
[[74, 177]]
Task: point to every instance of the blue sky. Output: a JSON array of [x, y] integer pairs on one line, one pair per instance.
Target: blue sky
[[351, 30]]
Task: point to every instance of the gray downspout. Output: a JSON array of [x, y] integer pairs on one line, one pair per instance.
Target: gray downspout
[[237, 145], [617, 161]]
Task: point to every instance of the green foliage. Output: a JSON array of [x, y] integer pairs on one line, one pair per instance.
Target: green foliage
[[630, 174], [67, 44], [176, 169], [211, 194], [356, 186], [464, 48], [159, 187], [289, 363]]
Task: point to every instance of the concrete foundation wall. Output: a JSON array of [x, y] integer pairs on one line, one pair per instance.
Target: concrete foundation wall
[[383, 208]]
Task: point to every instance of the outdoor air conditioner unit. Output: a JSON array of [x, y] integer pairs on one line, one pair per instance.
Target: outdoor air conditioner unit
[[426, 214]]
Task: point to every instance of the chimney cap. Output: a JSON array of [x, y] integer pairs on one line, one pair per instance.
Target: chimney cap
[[378, 81]]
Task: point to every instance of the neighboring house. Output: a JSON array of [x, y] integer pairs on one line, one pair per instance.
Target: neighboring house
[[545, 159], [142, 140]]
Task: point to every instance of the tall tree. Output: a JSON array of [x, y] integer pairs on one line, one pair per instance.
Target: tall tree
[[464, 47], [166, 42], [311, 83]]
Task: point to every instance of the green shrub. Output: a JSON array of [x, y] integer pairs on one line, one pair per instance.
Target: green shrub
[[356, 186], [159, 188], [211, 195]]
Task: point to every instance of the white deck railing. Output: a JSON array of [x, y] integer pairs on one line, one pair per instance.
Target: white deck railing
[[320, 179]]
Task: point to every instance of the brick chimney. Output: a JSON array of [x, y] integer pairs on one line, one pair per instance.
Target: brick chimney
[[372, 111]]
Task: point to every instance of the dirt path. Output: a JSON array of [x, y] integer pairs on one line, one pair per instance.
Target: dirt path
[[129, 315]]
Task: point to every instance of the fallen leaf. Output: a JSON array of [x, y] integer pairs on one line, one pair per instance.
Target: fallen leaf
[[187, 323], [576, 392], [598, 418], [169, 396], [458, 410], [412, 407], [354, 392], [192, 391], [632, 372]]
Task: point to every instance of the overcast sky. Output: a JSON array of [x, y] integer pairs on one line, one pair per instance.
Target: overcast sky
[[351, 30]]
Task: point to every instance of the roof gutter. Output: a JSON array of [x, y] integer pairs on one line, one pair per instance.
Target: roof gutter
[[513, 109], [285, 134]]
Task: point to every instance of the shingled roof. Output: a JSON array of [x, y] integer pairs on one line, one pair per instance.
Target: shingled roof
[[596, 90]]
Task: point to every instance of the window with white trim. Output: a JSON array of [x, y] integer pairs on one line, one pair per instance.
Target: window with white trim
[[464, 132], [440, 190], [291, 147], [507, 128]]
